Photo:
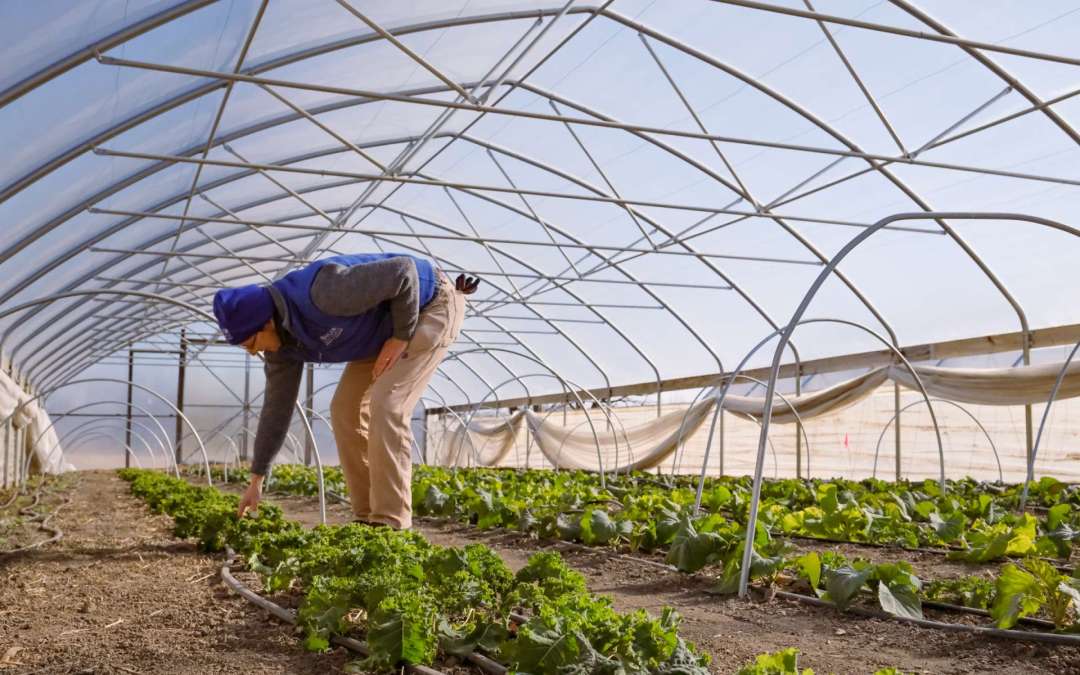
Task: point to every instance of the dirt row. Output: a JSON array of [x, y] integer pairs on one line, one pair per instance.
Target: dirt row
[[119, 594]]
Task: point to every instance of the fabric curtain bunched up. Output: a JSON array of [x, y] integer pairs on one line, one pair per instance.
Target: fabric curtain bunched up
[[32, 417], [489, 441]]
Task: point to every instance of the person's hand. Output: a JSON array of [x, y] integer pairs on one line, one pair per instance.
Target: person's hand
[[466, 285], [249, 501], [391, 351]]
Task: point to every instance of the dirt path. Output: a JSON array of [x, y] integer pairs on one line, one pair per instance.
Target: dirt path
[[118, 594], [734, 631]]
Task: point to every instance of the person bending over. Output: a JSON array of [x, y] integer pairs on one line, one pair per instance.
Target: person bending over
[[391, 317]]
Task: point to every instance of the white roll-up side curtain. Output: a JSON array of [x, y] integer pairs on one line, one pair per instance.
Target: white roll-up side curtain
[[647, 445], [38, 429]]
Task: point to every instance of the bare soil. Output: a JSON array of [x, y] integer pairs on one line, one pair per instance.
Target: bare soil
[[733, 631], [119, 594]]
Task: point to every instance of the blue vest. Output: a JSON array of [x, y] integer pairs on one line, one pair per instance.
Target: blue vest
[[325, 338]]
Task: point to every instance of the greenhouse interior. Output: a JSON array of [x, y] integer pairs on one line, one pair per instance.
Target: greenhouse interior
[[550, 337]]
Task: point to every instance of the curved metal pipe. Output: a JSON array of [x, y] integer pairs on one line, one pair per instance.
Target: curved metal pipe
[[435, 390], [90, 380], [606, 409], [599, 457], [595, 400], [565, 382], [87, 427], [877, 448], [798, 422], [801, 309], [787, 330], [140, 408], [1030, 475], [101, 434]]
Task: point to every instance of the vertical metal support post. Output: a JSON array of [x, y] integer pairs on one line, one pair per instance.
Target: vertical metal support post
[[9, 476], [7, 453], [424, 429], [127, 426], [247, 409], [798, 424], [528, 438], [309, 405], [1028, 430], [20, 452], [180, 374], [896, 429], [720, 431], [21, 442]]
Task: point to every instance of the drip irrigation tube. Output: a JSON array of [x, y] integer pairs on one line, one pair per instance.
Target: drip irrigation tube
[[948, 607], [1056, 562], [14, 495], [871, 544], [1019, 635], [42, 519], [487, 665]]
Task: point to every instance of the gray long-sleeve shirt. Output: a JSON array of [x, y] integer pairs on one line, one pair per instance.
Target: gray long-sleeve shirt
[[341, 291]]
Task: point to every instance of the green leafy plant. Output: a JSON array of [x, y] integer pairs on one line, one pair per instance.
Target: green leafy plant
[[784, 662], [415, 601], [969, 591], [1022, 592], [840, 581]]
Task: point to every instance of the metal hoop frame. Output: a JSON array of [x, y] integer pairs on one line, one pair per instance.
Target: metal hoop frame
[[771, 387], [801, 309], [989, 439], [59, 368]]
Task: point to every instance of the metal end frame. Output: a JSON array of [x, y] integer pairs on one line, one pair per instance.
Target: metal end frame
[[231, 243]]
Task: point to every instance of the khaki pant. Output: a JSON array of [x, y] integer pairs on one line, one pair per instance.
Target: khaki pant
[[371, 419]]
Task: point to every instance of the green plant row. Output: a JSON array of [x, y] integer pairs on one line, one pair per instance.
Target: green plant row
[[1032, 588], [974, 519], [632, 510], [645, 514], [417, 602]]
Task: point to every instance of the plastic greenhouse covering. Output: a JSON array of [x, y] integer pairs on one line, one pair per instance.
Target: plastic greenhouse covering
[[648, 190]]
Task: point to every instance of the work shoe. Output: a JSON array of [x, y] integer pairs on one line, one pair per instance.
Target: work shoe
[[369, 523]]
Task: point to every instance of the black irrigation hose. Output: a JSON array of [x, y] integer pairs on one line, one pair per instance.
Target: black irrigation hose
[[871, 544], [482, 662], [1056, 562], [1019, 635], [948, 607]]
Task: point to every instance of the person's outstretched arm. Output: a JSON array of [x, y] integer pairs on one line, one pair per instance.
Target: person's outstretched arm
[[282, 386]]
